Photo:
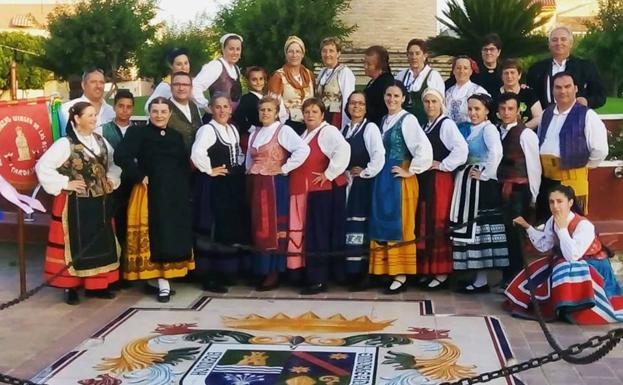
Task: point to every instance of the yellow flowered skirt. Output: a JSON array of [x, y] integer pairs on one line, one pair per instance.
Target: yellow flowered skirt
[[137, 257]]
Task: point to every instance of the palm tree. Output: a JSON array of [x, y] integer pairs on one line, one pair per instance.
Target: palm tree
[[517, 22]]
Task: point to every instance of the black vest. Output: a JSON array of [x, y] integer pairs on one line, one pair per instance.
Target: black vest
[[440, 151], [359, 156], [223, 153]]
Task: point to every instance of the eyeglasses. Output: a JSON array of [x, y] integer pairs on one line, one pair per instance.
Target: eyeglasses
[[181, 84]]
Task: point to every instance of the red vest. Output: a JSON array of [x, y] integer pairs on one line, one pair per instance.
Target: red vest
[[595, 250], [269, 157]]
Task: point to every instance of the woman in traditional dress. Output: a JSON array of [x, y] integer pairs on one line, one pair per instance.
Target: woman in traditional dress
[[79, 171], [480, 238], [376, 66], [177, 60], [246, 116], [159, 242], [434, 261], [317, 201], [418, 77], [576, 283], [457, 95], [529, 104], [220, 76], [274, 151], [293, 83], [367, 156], [334, 83], [221, 210], [395, 193]]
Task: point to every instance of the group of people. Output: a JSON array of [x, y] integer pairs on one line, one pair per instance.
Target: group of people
[[412, 176]]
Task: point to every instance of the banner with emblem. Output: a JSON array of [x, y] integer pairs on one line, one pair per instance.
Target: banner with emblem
[[25, 134]]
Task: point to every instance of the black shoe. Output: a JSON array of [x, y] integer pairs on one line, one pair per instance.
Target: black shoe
[[471, 289], [399, 289], [164, 295], [71, 297], [101, 293], [313, 289], [149, 289], [214, 287]]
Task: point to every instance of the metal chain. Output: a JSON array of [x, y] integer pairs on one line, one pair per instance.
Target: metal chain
[[6, 379]]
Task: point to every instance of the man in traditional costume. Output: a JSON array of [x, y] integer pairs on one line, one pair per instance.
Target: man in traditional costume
[[572, 138], [185, 115]]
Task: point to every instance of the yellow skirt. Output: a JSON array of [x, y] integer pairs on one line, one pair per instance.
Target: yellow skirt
[[137, 257], [399, 260], [576, 178]]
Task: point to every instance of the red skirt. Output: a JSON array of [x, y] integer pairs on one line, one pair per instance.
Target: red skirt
[[56, 259], [433, 218]]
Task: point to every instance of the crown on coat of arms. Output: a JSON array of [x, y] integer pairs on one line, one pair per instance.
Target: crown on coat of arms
[[306, 322]]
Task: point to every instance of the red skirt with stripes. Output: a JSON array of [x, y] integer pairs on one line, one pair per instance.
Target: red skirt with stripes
[[56, 259]]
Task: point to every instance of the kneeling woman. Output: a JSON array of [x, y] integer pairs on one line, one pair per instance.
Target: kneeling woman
[[577, 283], [317, 201], [395, 193], [79, 171], [159, 243], [480, 238], [221, 210], [274, 151]]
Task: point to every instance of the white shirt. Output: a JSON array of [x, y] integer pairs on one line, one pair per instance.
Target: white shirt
[[208, 75], [573, 246], [346, 80], [163, 89], [594, 130], [491, 136], [415, 83], [106, 114], [373, 142], [529, 142], [556, 68], [205, 138], [288, 139], [416, 140], [123, 129], [453, 140], [185, 108], [456, 100], [54, 182], [333, 146]]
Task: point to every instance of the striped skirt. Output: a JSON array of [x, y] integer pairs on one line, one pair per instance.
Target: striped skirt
[[97, 265], [583, 292]]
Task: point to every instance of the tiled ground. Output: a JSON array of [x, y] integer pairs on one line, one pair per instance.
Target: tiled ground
[[33, 334]]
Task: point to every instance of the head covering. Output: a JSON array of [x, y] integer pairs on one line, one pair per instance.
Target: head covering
[[226, 36], [294, 39], [175, 52], [484, 99], [435, 92]]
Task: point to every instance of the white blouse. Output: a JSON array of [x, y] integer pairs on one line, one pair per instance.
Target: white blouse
[[491, 136], [54, 182], [416, 140], [453, 140], [208, 75], [529, 143], [456, 100], [415, 83], [205, 138], [288, 139], [594, 130], [346, 80], [373, 141], [333, 146], [573, 246]]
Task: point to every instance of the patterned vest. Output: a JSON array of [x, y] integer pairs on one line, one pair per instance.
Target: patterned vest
[[91, 169], [330, 92], [269, 157], [513, 164], [574, 151], [394, 142], [226, 85], [292, 98], [594, 251]]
